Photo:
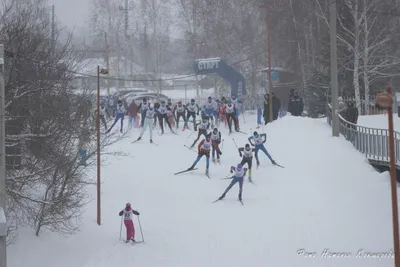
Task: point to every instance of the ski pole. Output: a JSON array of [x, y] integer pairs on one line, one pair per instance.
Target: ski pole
[[235, 143], [140, 226], [120, 229], [190, 135], [191, 149], [229, 176], [222, 145]]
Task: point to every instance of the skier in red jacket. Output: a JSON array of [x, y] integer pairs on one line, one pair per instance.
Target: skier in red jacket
[[204, 149]]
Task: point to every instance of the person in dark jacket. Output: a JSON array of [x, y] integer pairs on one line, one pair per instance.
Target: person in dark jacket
[[351, 113], [296, 105], [276, 106], [291, 94], [266, 109]]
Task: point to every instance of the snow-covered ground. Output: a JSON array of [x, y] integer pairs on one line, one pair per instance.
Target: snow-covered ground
[[379, 121], [327, 199]]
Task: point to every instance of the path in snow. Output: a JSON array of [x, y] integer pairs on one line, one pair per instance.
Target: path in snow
[[326, 197]]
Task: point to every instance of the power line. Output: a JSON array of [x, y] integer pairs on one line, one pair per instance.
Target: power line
[[11, 54], [103, 77]]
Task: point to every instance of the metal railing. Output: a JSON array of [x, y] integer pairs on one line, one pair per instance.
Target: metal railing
[[372, 142]]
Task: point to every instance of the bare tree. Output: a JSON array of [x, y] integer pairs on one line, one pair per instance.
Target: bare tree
[[156, 17], [45, 181], [106, 17]]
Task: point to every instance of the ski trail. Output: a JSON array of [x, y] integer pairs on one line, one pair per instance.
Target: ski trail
[[111, 256], [320, 201]]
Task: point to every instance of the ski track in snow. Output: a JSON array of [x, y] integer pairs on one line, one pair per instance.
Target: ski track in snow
[[326, 197]]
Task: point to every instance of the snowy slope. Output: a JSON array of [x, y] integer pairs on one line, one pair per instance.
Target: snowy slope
[[326, 197]]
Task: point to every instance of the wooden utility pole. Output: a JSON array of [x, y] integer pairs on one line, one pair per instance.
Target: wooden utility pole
[[99, 71], [53, 25], [393, 182], [195, 45], [270, 85], [3, 222], [126, 10], [98, 150], [118, 61], [146, 51], [107, 57], [334, 71], [131, 59]]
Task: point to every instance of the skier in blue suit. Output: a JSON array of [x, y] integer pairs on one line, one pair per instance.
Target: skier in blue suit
[[209, 108], [259, 140], [238, 177], [121, 112], [259, 116]]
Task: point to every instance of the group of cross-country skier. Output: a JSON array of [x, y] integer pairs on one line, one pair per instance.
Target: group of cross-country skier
[[170, 115], [211, 115]]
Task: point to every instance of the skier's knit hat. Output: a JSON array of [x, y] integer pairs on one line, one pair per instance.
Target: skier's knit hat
[[128, 206]]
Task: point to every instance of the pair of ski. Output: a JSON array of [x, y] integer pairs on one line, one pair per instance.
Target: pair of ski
[[133, 243], [185, 171], [208, 176], [140, 140], [280, 166], [241, 201], [276, 164]]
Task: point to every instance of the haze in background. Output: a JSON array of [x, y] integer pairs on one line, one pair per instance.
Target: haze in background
[[72, 13], [75, 15]]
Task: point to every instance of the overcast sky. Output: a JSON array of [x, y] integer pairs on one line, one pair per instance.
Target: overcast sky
[[75, 15], [72, 13]]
